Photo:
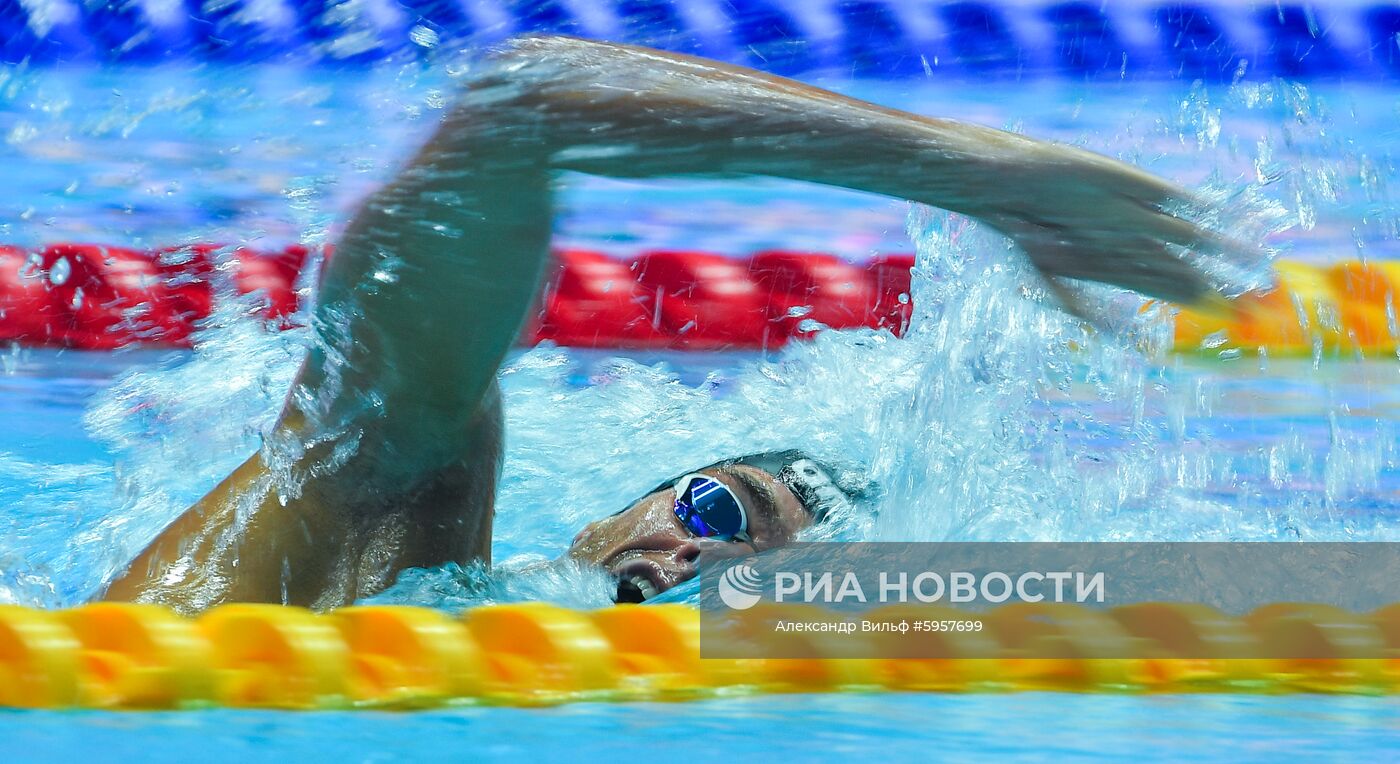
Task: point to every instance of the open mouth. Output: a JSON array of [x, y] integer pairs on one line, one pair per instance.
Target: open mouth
[[634, 589], [637, 582]]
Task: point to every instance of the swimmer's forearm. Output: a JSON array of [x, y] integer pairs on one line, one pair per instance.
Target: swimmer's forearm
[[633, 112], [623, 112], [629, 112]]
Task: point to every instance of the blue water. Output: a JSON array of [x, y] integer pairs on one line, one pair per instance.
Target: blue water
[[277, 154], [818, 728], [996, 418]]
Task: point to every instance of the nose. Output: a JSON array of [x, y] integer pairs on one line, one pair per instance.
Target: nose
[[687, 552], [677, 555], [668, 544]]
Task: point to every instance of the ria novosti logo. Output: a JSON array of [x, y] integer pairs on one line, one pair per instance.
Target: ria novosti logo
[[740, 587]]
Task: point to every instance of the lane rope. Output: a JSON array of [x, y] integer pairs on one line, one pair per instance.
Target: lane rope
[[1212, 41], [98, 297], [137, 656]]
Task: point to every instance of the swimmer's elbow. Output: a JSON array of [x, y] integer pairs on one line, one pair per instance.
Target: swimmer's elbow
[[548, 66], [541, 58]]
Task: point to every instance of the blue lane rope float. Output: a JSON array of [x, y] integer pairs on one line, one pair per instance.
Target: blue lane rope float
[[882, 38]]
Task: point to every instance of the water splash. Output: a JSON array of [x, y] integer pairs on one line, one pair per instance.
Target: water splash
[[998, 417]]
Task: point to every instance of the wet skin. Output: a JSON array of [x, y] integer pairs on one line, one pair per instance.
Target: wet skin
[[647, 549]]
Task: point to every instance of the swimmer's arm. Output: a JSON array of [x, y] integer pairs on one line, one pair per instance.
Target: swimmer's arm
[[440, 267], [425, 295], [630, 112], [432, 279], [391, 412]]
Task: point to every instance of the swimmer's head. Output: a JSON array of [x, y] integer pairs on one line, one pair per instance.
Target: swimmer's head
[[733, 507]]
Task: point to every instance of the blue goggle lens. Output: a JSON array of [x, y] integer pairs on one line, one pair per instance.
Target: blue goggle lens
[[707, 508]]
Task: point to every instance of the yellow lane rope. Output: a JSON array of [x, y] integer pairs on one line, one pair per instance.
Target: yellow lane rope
[[268, 656]]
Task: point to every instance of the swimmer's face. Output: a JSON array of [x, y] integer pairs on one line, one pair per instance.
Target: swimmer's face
[[647, 549]]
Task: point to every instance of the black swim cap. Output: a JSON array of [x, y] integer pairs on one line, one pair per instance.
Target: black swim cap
[[813, 482]]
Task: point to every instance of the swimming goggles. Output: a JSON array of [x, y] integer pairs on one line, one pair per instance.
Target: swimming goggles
[[707, 508]]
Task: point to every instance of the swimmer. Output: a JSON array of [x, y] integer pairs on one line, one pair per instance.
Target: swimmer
[[388, 449]]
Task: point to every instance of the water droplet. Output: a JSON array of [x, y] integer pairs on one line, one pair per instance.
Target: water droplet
[[423, 36], [61, 270], [32, 267]]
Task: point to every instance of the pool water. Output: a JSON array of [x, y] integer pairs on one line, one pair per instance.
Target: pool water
[[817, 728], [994, 418], [155, 156]]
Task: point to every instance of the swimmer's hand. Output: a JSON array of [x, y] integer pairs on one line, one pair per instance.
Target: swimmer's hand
[[1079, 215]]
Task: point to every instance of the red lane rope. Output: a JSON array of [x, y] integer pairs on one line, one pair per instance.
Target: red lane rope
[[100, 297]]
